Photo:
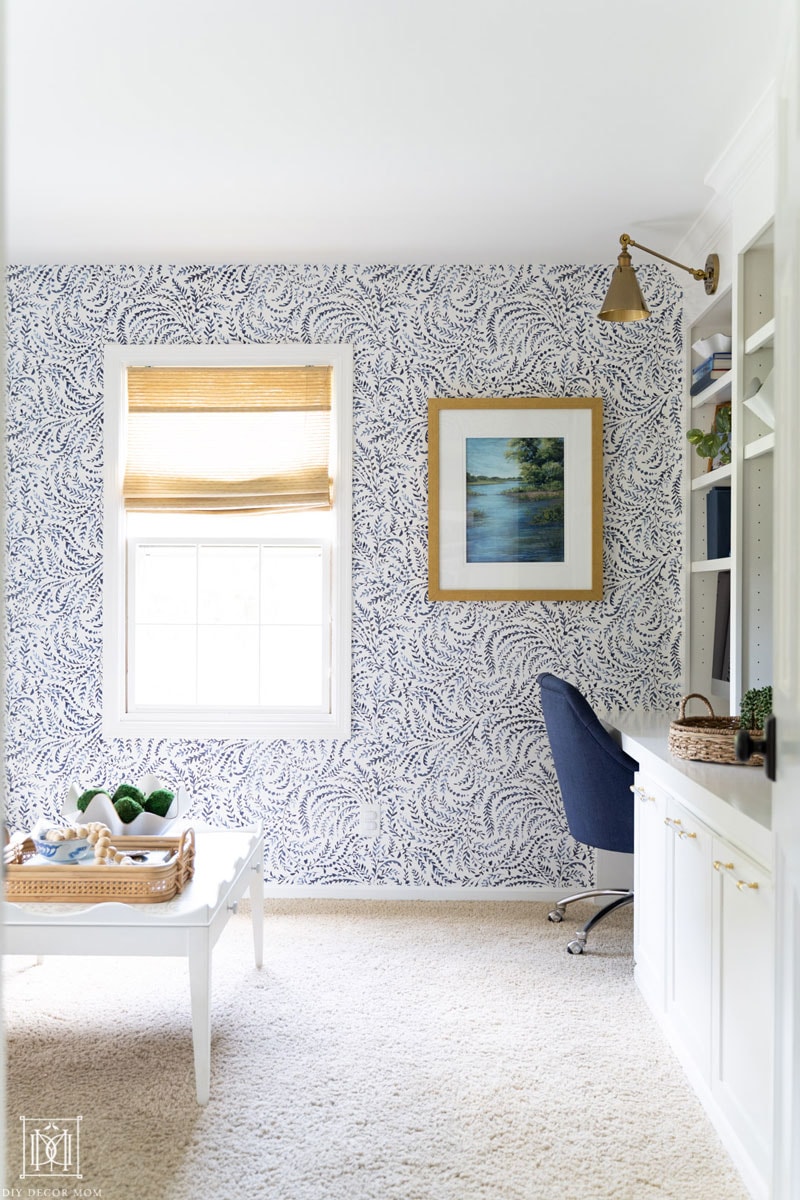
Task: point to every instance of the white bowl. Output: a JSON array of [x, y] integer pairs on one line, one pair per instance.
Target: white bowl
[[146, 824], [715, 343]]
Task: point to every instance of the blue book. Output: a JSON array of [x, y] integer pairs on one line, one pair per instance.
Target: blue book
[[706, 380], [721, 646], [718, 522], [717, 362]]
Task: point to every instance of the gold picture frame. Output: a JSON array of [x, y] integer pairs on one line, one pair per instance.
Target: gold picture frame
[[515, 499]]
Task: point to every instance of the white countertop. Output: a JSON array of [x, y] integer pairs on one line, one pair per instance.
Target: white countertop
[[734, 799]]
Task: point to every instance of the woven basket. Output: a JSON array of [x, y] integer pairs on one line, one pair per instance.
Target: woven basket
[[75, 883], [708, 739]]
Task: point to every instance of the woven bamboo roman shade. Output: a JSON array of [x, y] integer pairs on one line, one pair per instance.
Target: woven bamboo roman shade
[[205, 439]]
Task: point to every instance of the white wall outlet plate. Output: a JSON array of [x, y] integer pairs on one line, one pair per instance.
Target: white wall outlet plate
[[369, 820]]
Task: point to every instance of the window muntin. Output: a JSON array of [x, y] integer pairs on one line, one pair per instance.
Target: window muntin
[[235, 625]]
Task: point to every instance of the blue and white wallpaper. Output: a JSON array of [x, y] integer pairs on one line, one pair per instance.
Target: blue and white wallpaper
[[447, 728]]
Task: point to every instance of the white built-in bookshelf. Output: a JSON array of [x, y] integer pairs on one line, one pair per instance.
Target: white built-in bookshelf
[[741, 581]]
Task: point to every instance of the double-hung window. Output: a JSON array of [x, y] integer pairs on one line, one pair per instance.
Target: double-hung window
[[227, 597]]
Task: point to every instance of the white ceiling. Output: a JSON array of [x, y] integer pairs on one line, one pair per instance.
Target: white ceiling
[[369, 130]]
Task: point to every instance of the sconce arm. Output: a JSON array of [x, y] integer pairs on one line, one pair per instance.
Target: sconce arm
[[695, 272]]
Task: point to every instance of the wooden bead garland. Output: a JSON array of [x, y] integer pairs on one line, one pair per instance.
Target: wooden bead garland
[[63, 833], [99, 836]]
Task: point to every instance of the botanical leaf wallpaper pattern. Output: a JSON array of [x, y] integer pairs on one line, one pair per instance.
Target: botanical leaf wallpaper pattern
[[447, 730]]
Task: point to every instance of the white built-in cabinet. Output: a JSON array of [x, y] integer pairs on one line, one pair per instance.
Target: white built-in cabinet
[[689, 941], [703, 939]]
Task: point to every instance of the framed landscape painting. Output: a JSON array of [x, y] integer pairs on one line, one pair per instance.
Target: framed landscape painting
[[515, 496]]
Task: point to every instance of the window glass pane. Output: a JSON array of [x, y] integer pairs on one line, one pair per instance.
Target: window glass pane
[[220, 655], [291, 665], [164, 664], [227, 664], [291, 585], [227, 585], [166, 584]]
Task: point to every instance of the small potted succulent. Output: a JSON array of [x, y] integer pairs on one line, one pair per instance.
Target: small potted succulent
[[755, 707]]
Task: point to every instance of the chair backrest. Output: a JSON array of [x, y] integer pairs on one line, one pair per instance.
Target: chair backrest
[[594, 773]]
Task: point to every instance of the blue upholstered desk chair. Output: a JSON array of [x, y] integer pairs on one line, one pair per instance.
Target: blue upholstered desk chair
[[595, 776]]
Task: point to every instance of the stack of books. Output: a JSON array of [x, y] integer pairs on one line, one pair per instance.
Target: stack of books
[[709, 370]]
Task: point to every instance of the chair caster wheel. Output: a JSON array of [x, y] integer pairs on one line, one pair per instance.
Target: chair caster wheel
[[556, 915], [575, 947]]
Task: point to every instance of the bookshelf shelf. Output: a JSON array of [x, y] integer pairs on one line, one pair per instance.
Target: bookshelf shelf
[[759, 446], [711, 564], [715, 393], [762, 338], [712, 478]]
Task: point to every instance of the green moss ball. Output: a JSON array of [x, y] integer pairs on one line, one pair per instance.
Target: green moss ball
[[127, 809], [127, 789], [85, 800], [159, 802]]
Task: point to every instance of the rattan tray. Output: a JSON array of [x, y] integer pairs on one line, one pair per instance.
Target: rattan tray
[[74, 883], [708, 739]]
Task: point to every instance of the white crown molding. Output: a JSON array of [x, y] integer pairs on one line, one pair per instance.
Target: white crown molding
[[711, 231], [745, 155], [747, 149]]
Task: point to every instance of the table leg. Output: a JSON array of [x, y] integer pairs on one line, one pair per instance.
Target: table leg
[[257, 906], [200, 987]]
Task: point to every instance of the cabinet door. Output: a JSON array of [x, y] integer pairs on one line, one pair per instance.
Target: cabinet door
[[650, 889], [743, 998], [689, 940]]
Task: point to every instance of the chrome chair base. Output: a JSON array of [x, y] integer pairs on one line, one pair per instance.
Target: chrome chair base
[[578, 944]]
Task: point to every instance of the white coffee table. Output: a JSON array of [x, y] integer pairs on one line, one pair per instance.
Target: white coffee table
[[228, 863]]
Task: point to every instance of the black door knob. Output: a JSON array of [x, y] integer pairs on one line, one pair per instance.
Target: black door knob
[[745, 746]]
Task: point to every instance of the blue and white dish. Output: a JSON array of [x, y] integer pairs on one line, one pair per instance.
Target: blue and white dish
[[66, 850], [69, 851]]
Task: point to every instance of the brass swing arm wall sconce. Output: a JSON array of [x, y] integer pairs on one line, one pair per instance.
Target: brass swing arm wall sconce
[[624, 300]]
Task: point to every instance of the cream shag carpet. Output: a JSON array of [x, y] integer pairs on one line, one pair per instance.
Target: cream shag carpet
[[386, 1051]]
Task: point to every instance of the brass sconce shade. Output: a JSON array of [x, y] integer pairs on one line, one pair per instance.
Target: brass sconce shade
[[624, 300]]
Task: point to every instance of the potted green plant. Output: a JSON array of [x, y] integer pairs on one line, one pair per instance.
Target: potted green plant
[[716, 444], [755, 707]]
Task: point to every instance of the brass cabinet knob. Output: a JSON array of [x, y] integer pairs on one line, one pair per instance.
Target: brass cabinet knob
[[675, 825], [722, 866], [742, 885]]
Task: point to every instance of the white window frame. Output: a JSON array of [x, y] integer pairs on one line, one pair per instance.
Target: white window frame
[[169, 722]]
